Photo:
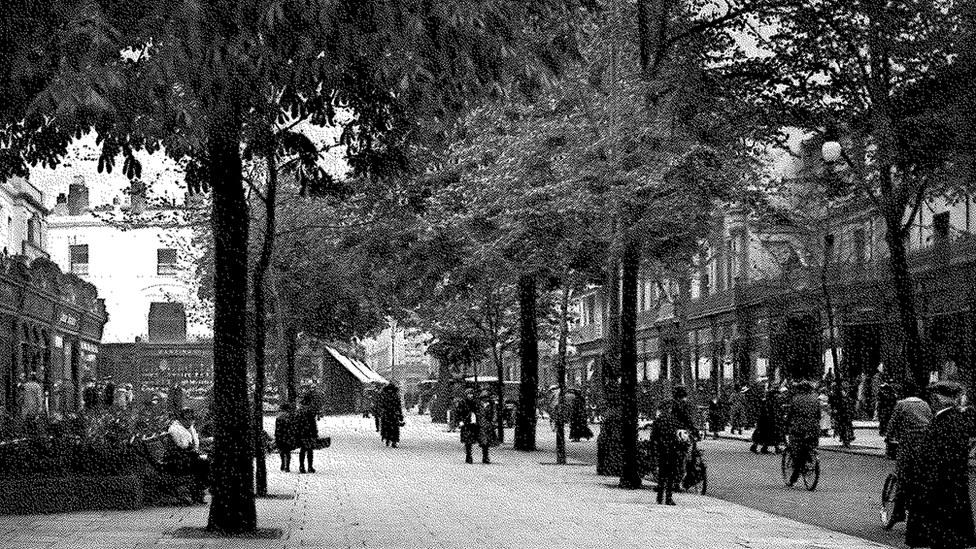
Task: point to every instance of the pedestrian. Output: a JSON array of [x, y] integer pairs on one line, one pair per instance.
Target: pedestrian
[[740, 411], [307, 432], [176, 396], [31, 397], [942, 517], [90, 396], [109, 389], [909, 420], [578, 417], [887, 397], [842, 413], [803, 420], [285, 436], [671, 435], [766, 433], [454, 414], [185, 458], [377, 405], [391, 412], [475, 417], [716, 421], [825, 420]]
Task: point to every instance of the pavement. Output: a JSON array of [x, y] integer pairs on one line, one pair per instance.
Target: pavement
[[367, 495]]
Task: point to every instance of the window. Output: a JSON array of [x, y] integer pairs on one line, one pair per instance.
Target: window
[[940, 226], [166, 262], [730, 253], [641, 299], [78, 258]]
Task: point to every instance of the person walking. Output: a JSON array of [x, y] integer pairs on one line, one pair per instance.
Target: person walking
[[307, 432], [766, 433], [887, 398], [284, 435], [377, 404], [740, 410], [943, 517], [909, 420], [716, 419], [803, 420], [475, 417], [671, 434], [578, 417], [391, 415]]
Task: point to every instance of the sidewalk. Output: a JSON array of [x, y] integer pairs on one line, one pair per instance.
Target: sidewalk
[[866, 442], [421, 495]]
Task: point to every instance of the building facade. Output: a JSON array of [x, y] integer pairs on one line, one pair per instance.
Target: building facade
[[136, 255], [51, 322], [400, 357], [752, 308]]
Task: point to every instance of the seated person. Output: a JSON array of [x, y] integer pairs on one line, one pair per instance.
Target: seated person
[[184, 458]]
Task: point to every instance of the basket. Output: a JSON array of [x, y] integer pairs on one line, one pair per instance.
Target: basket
[[322, 443]]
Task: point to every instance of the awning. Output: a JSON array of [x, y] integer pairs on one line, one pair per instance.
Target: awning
[[359, 370]]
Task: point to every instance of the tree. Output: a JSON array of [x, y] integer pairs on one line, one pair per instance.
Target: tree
[[844, 71], [196, 79]]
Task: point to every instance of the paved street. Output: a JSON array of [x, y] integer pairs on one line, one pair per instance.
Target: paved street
[[846, 499], [422, 495]]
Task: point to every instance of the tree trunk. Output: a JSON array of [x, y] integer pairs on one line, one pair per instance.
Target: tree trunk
[[629, 476], [291, 347], [232, 510], [529, 357], [609, 440], [261, 326], [917, 375], [561, 374]]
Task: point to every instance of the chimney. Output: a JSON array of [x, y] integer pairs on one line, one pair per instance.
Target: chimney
[[138, 193], [61, 207], [77, 196]]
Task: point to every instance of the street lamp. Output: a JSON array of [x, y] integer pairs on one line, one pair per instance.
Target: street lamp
[[832, 151]]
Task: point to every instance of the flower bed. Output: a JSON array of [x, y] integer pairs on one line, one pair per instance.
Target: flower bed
[[73, 464]]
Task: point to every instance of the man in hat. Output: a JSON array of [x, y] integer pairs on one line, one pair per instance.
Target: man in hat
[[671, 435], [803, 419], [942, 517]]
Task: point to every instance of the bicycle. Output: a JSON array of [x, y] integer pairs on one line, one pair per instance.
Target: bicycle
[[810, 471]]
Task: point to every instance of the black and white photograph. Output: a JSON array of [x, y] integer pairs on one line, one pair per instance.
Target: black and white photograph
[[501, 274]]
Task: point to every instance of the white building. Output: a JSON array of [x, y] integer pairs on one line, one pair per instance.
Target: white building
[[132, 268], [22, 224], [400, 357]]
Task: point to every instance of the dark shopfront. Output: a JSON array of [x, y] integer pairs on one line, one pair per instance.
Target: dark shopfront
[[50, 327]]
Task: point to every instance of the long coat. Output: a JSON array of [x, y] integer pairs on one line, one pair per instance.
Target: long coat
[[285, 437], [579, 419], [804, 417], [767, 431], [943, 515], [391, 415], [476, 419], [306, 430]]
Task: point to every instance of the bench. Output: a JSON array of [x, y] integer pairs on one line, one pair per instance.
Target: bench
[[159, 476]]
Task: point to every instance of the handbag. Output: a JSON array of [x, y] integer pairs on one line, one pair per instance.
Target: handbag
[[322, 443]]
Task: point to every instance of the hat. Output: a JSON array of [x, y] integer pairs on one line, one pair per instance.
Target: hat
[[946, 388]]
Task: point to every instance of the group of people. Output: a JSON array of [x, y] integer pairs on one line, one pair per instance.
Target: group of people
[[773, 422], [933, 445], [297, 429]]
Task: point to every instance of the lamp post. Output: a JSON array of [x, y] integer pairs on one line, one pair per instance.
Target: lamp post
[[832, 151]]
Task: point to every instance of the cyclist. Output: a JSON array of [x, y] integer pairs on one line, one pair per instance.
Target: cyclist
[[804, 426], [673, 430]]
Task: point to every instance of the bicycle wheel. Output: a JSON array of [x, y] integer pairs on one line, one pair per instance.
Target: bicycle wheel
[[787, 466], [889, 502], [811, 473]]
